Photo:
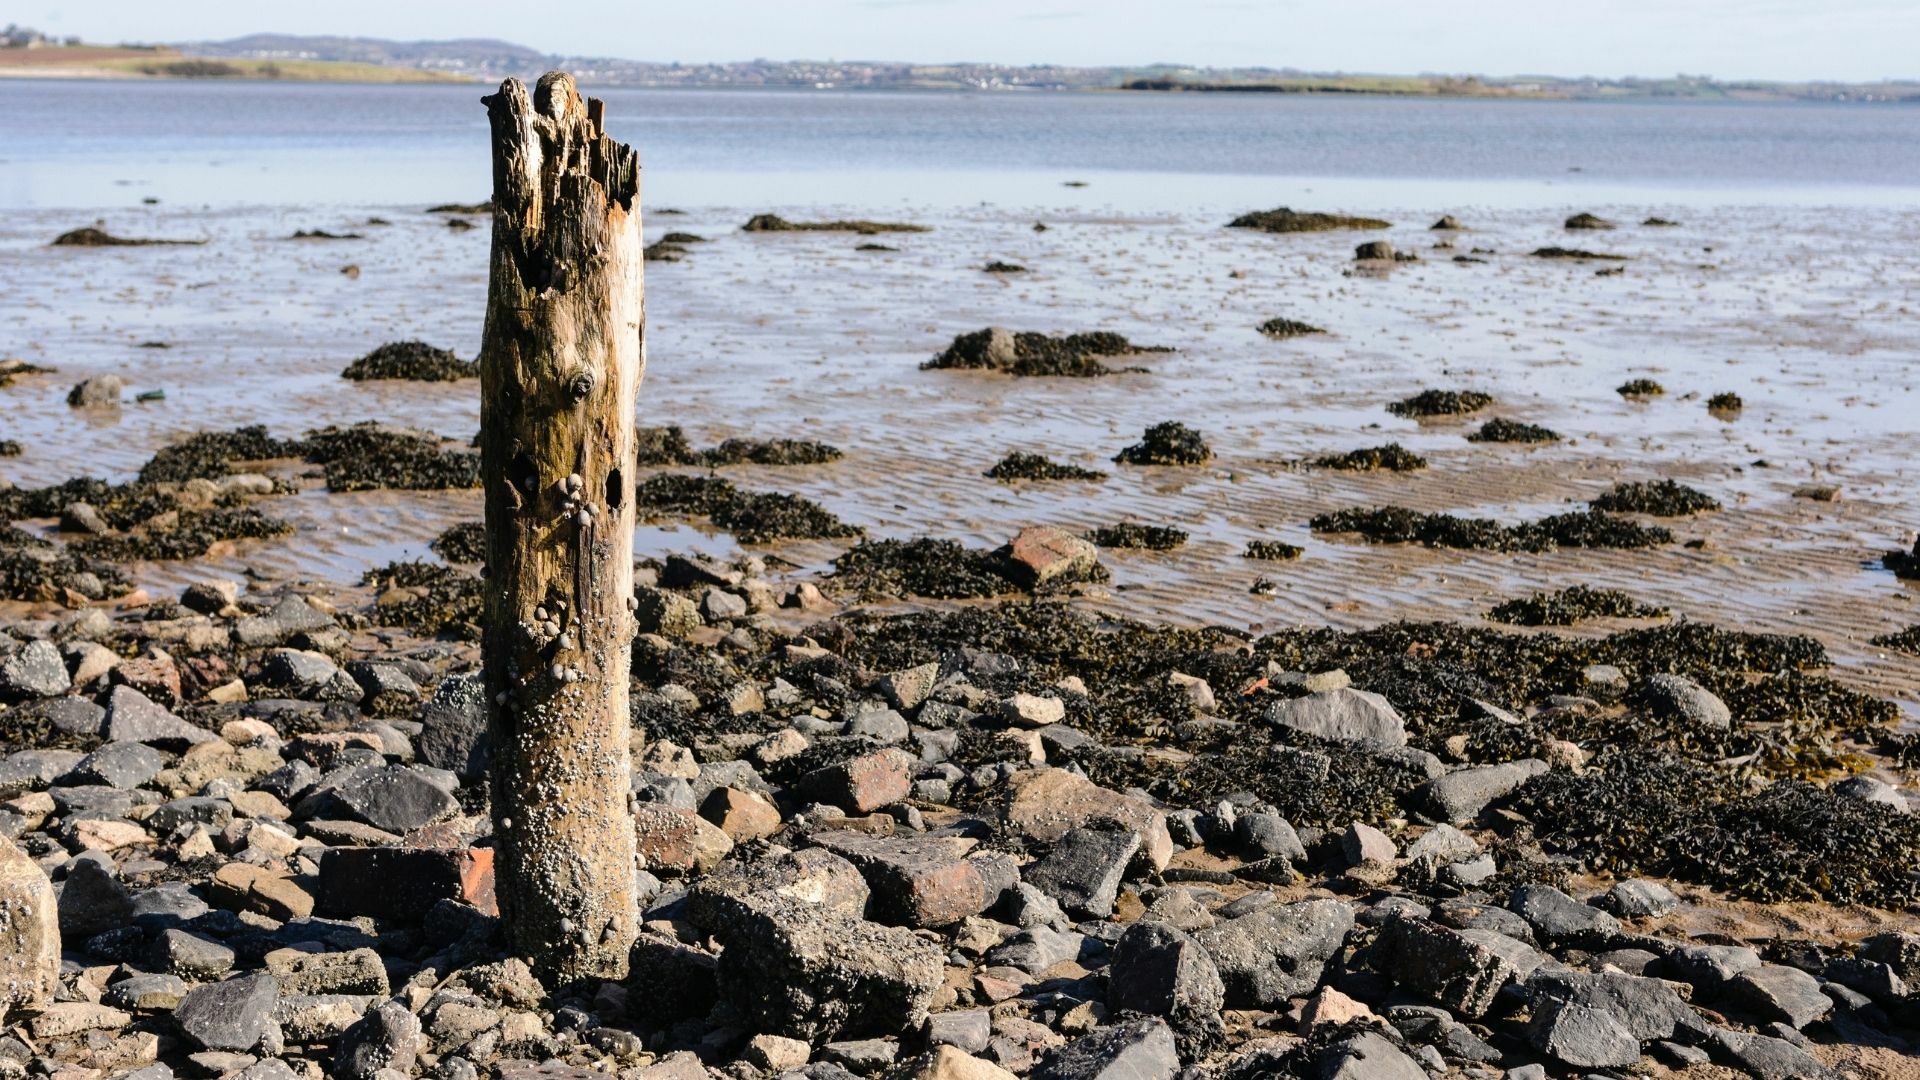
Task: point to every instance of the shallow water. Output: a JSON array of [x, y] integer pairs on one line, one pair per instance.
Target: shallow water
[[1793, 286]]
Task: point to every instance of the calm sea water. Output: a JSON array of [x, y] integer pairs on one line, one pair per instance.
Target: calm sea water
[[107, 144]]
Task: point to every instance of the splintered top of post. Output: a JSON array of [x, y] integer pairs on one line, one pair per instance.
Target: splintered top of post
[[540, 139]]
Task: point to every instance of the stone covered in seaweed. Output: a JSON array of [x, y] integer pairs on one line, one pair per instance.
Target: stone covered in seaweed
[[209, 455], [753, 517], [1032, 354], [924, 566], [1441, 403], [1571, 605], [1500, 430], [1286, 220], [1130, 534], [1399, 525], [1288, 328], [367, 456], [1389, 458], [1661, 498], [1639, 388], [428, 599], [776, 223], [1725, 403], [1021, 465], [188, 535], [1272, 550], [415, 361], [1167, 443]]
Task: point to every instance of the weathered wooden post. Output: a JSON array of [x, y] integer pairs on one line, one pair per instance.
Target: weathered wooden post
[[560, 367]]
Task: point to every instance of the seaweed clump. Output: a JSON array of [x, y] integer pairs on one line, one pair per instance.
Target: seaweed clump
[[1571, 605], [1020, 465], [1661, 498], [1441, 403], [1500, 430], [9, 448], [1906, 641], [1639, 388], [191, 535], [415, 361], [1725, 403], [1648, 812], [924, 566], [464, 543], [34, 569], [776, 223], [1167, 443], [428, 599], [1131, 534], [999, 267], [753, 517], [1904, 564], [1554, 252], [1288, 328], [209, 454], [1588, 221], [368, 456], [1272, 550], [11, 369], [1389, 458], [1033, 354], [669, 446], [1287, 220], [1581, 529], [663, 446]]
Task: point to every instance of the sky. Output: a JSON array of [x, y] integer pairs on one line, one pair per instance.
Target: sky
[[1850, 40]]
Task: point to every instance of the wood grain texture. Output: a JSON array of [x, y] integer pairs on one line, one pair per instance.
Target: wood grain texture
[[560, 369]]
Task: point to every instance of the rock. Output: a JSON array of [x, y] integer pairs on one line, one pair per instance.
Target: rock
[[1872, 789], [668, 614], [147, 993], [231, 1015], [1711, 967], [1160, 971], [244, 887], [1764, 1057], [1678, 696], [92, 901], [1636, 898], [386, 1038], [356, 971], [718, 605], [1044, 804], [100, 391], [1463, 970], [677, 841], [189, 956], [385, 689], [1898, 950], [1558, 919], [1032, 710], [453, 727], [1276, 952], [1366, 846], [863, 784], [946, 1062], [1777, 992], [1373, 250], [32, 770], [123, 765], [742, 815], [402, 884], [1330, 1007], [35, 670], [29, 933], [1268, 836], [917, 881], [1583, 1036], [1037, 948], [967, 1029], [65, 1019], [1446, 222], [1460, 796], [1084, 870], [1642, 1008], [290, 615], [1342, 715], [796, 963], [396, 798], [776, 1053], [906, 689], [1368, 1056], [1041, 555], [1142, 1049], [133, 717], [304, 676]]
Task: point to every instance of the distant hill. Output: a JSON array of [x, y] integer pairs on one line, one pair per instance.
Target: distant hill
[[472, 57]]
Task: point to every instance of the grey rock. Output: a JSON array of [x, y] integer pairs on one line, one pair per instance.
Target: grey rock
[[1764, 1057], [100, 391], [881, 725], [453, 727], [1777, 992], [1142, 1049], [1679, 696], [147, 993], [1558, 919], [906, 689], [120, 765], [32, 770], [1342, 715], [1711, 967], [1463, 970], [1037, 948], [68, 715], [1898, 950], [1084, 870], [192, 810], [92, 901], [1583, 1036], [916, 881], [397, 799], [1637, 898], [231, 1015], [1277, 952], [1368, 1056], [1264, 835], [964, 1029], [388, 1037], [1364, 845], [1160, 971], [177, 952], [385, 689], [1645, 1009], [304, 676], [35, 670], [290, 615], [1460, 796], [134, 717], [1873, 790]]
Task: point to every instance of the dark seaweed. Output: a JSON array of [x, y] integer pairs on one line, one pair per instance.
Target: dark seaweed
[[1024, 466], [1640, 388], [1285, 220], [1441, 403], [1129, 534], [1033, 354], [1512, 431], [1571, 605], [416, 361], [464, 543], [1661, 498], [1389, 458], [1167, 443], [1287, 328]]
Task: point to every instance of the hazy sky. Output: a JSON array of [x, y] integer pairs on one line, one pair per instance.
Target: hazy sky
[[1780, 39]]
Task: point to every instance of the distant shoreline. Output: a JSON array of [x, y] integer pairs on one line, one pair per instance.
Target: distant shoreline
[[159, 63]]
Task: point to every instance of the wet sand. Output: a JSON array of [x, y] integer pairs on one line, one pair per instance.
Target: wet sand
[[1805, 313]]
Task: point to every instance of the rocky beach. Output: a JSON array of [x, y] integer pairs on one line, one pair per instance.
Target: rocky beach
[[1362, 639]]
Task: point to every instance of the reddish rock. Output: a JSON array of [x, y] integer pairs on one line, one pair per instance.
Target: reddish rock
[[1045, 803], [1041, 555], [917, 881], [244, 887], [863, 784], [154, 675], [677, 841]]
